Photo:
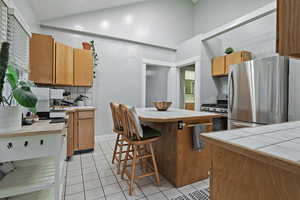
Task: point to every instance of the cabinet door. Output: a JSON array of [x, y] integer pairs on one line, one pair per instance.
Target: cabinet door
[[288, 27], [83, 68], [41, 59], [70, 136], [236, 58], [218, 66], [86, 135], [63, 65]]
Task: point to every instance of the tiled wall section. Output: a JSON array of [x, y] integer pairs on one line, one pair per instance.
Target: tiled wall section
[[76, 91]]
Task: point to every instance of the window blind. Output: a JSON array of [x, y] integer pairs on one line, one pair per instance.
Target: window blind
[[19, 42]]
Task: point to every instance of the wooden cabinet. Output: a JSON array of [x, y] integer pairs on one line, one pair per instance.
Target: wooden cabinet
[[84, 130], [218, 66], [236, 58], [288, 28], [54, 63], [41, 59], [83, 67], [64, 69], [221, 65]]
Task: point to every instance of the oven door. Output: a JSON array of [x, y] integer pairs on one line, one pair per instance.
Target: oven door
[[233, 124]]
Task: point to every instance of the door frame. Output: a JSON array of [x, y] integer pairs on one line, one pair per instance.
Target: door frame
[[190, 61], [154, 62]]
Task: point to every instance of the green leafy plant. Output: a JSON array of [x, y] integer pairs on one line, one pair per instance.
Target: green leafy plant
[[229, 50], [20, 90], [95, 55]]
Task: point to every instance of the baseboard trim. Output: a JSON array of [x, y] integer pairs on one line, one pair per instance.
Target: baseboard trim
[[106, 137]]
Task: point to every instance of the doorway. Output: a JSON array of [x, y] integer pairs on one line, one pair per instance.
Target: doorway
[[187, 87], [156, 84]]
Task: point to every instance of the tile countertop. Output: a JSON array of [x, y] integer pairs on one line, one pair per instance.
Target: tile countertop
[[281, 141], [171, 115]]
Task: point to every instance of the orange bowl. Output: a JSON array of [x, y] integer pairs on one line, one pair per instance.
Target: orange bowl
[[162, 105]]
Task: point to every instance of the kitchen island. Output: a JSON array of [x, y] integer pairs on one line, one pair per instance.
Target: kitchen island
[[256, 163], [176, 159]]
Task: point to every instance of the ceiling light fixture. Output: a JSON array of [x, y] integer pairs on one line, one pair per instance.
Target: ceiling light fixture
[[129, 19], [105, 24]]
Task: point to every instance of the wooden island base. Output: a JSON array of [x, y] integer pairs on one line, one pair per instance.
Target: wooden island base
[[176, 159], [235, 176]]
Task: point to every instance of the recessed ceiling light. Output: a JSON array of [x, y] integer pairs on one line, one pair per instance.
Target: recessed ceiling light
[[128, 19], [105, 24]]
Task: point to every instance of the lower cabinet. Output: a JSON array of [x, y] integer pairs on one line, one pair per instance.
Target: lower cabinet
[[81, 136]]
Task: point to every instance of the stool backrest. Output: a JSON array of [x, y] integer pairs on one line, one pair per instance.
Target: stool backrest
[[130, 126], [115, 110]]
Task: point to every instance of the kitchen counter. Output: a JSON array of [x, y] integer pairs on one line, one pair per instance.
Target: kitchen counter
[[42, 127], [176, 159], [260, 163]]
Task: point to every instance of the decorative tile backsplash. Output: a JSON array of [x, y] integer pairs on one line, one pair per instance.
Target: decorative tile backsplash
[[76, 91]]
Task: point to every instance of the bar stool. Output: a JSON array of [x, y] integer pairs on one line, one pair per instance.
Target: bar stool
[[141, 148], [120, 141]]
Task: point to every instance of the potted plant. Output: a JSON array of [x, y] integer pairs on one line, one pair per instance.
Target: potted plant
[[20, 91], [86, 45]]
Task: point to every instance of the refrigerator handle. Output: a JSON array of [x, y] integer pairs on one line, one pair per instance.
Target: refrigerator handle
[[231, 90]]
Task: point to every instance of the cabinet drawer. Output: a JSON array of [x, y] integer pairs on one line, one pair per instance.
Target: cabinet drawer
[[85, 114]]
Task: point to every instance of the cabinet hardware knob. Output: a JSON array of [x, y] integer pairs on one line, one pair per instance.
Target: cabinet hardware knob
[[26, 144], [41, 142]]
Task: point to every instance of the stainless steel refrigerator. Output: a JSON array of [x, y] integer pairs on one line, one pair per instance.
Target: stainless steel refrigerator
[[258, 92]]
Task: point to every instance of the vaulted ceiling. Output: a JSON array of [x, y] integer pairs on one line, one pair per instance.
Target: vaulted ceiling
[[49, 9]]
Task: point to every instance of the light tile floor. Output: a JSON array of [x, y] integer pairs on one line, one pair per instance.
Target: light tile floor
[[92, 177]]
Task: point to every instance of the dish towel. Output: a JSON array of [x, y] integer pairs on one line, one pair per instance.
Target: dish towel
[[198, 144]]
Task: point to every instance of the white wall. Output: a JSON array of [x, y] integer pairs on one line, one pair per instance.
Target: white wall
[[163, 22], [28, 14], [210, 14], [119, 76]]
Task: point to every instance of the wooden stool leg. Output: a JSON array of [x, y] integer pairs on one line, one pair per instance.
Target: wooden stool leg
[[120, 156], [125, 161], [115, 149], [133, 165], [154, 165]]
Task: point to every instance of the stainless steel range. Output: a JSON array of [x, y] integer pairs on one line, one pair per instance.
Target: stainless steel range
[[220, 107]]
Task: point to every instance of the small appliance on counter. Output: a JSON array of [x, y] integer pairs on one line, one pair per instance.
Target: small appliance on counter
[[43, 104], [57, 113]]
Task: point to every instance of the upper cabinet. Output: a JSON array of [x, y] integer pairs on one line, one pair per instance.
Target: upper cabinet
[[288, 28], [54, 63], [218, 66], [41, 59], [83, 67], [237, 58], [64, 69], [221, 65]]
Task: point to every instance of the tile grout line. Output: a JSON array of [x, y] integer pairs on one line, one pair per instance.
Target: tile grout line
[[82, 177], [112, 172], [99, 175]]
